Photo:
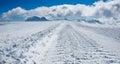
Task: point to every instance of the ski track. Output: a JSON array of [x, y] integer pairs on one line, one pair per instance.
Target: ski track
[[59, 44]]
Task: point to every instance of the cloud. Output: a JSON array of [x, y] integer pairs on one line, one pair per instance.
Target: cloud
[[108, 11], [104, 11], [14, 14]]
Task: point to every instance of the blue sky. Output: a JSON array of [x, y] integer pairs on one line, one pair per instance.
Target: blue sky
[[6, 5]]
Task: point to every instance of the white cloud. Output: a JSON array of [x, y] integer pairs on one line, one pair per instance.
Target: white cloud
[[14, 14], [107, 11]]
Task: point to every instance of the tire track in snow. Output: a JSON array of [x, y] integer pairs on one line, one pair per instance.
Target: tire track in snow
[[74, 47], [107, 42], [49, 41], [59, 44], [15, 52]]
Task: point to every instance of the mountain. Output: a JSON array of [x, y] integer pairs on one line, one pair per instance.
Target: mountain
[[89, 20], [93, 21], [35, 18]]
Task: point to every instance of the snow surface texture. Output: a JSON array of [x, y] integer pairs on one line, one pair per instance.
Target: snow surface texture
[[59, 43]]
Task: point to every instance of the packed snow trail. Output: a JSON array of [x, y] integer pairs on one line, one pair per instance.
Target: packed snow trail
[[62, 43], [15, 49], [74, 47]]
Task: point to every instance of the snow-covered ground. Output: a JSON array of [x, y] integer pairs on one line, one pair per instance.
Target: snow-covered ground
[[59, 42]]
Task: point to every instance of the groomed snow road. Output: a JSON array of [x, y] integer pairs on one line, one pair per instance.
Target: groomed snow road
[[64, 43]]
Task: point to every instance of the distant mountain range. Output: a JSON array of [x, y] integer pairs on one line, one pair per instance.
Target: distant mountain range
[[80, 19], [90, 20], [35, 18]]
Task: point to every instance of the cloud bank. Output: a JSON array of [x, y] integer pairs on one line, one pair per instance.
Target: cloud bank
[[104, 11]]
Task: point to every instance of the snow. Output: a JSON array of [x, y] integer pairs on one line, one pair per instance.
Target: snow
[[24, 28], [59, 42], [105, 35]]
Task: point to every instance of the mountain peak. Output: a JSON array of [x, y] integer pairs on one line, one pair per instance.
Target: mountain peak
[[36, 18]]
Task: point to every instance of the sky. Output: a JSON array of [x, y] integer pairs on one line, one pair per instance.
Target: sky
[[19, 10], [6, 5]]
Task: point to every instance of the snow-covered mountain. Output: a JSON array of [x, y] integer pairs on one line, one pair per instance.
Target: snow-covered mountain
[[89, 20], [35, 18]]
